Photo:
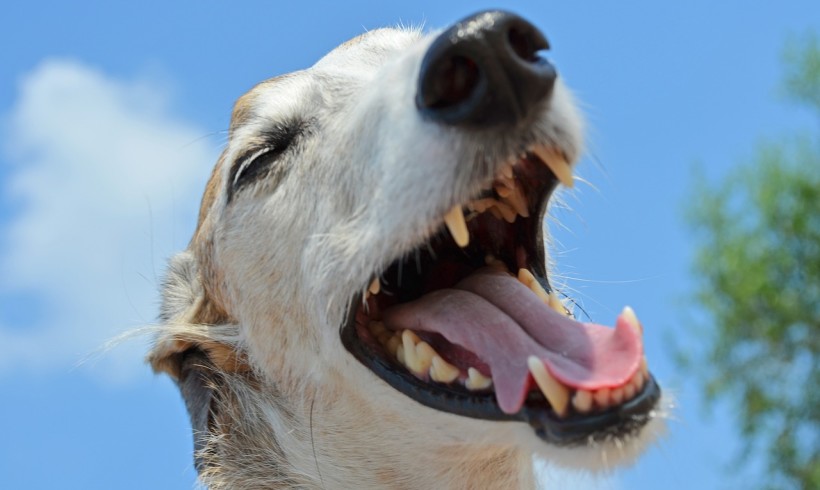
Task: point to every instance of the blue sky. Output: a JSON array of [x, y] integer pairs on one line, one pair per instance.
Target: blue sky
[[112, 114]]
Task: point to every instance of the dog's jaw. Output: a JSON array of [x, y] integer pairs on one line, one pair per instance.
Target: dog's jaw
[[281, 264]]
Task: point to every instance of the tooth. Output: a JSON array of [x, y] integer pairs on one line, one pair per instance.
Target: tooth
[[629, 392], [500, 210], [384, 337], [442, 371], [556, 393], [528, 279], [632, 319], [644, 368], [506, 211], [457, 226], [518, 202], [582, 401], [502, 190], [559, 166], [410, 335], [495, 263], [637, 381], [424, 358], [495, 212], [375, 286], [377, 327], [393, 344], [556, 304], [476, 380], [602, 398], [409, 341], [617, 395], [481, 205], [525, 277]]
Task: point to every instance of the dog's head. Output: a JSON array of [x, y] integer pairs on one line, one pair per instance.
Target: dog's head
[[373, 235]]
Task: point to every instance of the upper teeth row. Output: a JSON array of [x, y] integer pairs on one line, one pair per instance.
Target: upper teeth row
[[513, 200]]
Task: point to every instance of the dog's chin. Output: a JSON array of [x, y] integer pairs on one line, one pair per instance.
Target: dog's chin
[[468, 324], [446, 428]]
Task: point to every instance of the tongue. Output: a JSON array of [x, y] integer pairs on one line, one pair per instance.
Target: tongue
[[493, 315]]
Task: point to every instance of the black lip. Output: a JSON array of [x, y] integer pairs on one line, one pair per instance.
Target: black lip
[[575, 429]]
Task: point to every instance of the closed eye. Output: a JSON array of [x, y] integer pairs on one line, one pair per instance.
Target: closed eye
[[250, 165], [259, 161]]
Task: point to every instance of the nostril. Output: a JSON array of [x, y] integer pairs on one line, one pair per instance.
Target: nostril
[[485, 71], [453, 80], [526, 43]]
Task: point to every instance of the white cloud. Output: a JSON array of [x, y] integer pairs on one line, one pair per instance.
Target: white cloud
[[108, 183]]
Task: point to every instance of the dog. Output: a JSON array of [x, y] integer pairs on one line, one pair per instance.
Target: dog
[[366, 302]]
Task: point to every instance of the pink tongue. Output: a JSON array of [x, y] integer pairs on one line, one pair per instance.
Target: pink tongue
[[499, 319]]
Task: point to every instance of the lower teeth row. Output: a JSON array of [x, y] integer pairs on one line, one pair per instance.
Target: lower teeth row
[[423, 361]]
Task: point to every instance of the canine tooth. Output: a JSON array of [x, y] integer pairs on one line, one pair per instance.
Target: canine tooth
[[375, 286], [644, 368], [525, 277], [631, 318], [556, 304], [529, 280], [556, 163], [556, 393], [442, 371], [601, 398], [476, 380], [582, 401], [454, 219]]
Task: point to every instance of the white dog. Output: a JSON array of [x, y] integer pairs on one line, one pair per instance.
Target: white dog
[[365, 302]]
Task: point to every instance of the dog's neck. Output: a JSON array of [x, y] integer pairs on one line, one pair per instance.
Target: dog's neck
[[324, 439], [347, 448]]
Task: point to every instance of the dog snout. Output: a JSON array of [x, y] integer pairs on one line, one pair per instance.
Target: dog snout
[[485, 71]]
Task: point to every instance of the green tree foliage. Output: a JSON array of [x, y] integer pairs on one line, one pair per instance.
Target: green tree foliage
[[757, 270]]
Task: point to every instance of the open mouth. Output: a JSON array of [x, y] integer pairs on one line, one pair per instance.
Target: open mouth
[[469, 324]]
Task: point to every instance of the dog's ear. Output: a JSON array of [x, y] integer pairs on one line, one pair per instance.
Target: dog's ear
[[197, 346], [181, 287], [190, 320]]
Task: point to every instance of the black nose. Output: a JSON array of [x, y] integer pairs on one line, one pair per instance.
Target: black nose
[[485, 71]]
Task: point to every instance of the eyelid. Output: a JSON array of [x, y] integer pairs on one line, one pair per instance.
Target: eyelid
[[246, 160]]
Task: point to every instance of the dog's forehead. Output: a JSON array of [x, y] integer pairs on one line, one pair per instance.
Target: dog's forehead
[[277, 92], [368, 50], [285, 95]]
